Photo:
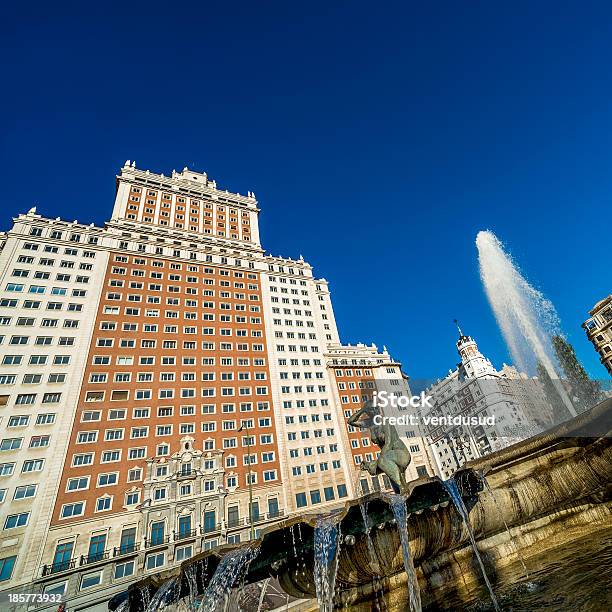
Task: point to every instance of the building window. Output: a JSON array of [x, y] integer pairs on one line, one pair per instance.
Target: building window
[[32, 465], [16, 520], [233, 516], [25, 491], [329, 493], [97, 545], [156, 560], [6, 469], [8, 444], [131, 499], [70, 510], [157, 532], [183, 552], [90, 580], [123, 570], [6, 567], [209, 521], [56, 588], [104, 503], [62, 556]]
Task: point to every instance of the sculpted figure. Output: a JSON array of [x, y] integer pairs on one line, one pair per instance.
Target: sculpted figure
[[394, 456]]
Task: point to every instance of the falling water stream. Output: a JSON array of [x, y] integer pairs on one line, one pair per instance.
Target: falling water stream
[[158, 601], [190, 574], [227, 574], [364, 515], [374, 564], [527, 320], [145, 597], [398, 506], [484, 480], [453, 490], [326, 556], [300, 566]]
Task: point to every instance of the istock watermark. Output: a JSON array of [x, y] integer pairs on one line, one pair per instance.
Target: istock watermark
[[434, 421], [384, 399]]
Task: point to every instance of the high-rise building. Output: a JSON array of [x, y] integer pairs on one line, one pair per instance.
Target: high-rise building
[[166, 387], [599, 330], [478, 410]]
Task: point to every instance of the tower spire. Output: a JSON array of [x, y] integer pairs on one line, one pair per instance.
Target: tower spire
[[458, 328]]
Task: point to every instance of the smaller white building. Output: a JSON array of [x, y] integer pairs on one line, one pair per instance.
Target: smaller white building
[[478, 410]]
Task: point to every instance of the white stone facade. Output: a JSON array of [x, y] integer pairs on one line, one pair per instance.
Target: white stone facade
[[50, 287], [476, 389]]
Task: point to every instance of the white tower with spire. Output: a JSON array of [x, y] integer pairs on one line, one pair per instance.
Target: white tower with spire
[[473, 363]]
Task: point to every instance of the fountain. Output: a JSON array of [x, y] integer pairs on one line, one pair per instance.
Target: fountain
[[364, 515], [528, 321], [164, 594], [145, 596], [550, 492], [326, 553], [485, 482], [398, 506], [192, 583], [229, 573], [453, 490]]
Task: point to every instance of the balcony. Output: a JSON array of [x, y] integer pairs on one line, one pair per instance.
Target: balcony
[[260, 518], [60, 566], [185, 535], [94, 557], [211, 529], [163, 541], [126, 549], [270, 516], [186, 476]]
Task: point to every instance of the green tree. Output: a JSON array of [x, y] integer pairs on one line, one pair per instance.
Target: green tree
[[560, 411], [584, 391]]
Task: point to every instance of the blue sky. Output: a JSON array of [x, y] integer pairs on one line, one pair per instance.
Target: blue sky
[[379, 139]]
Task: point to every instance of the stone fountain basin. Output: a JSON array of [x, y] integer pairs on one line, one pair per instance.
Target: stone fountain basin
[[540, 487], [278, 558]]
